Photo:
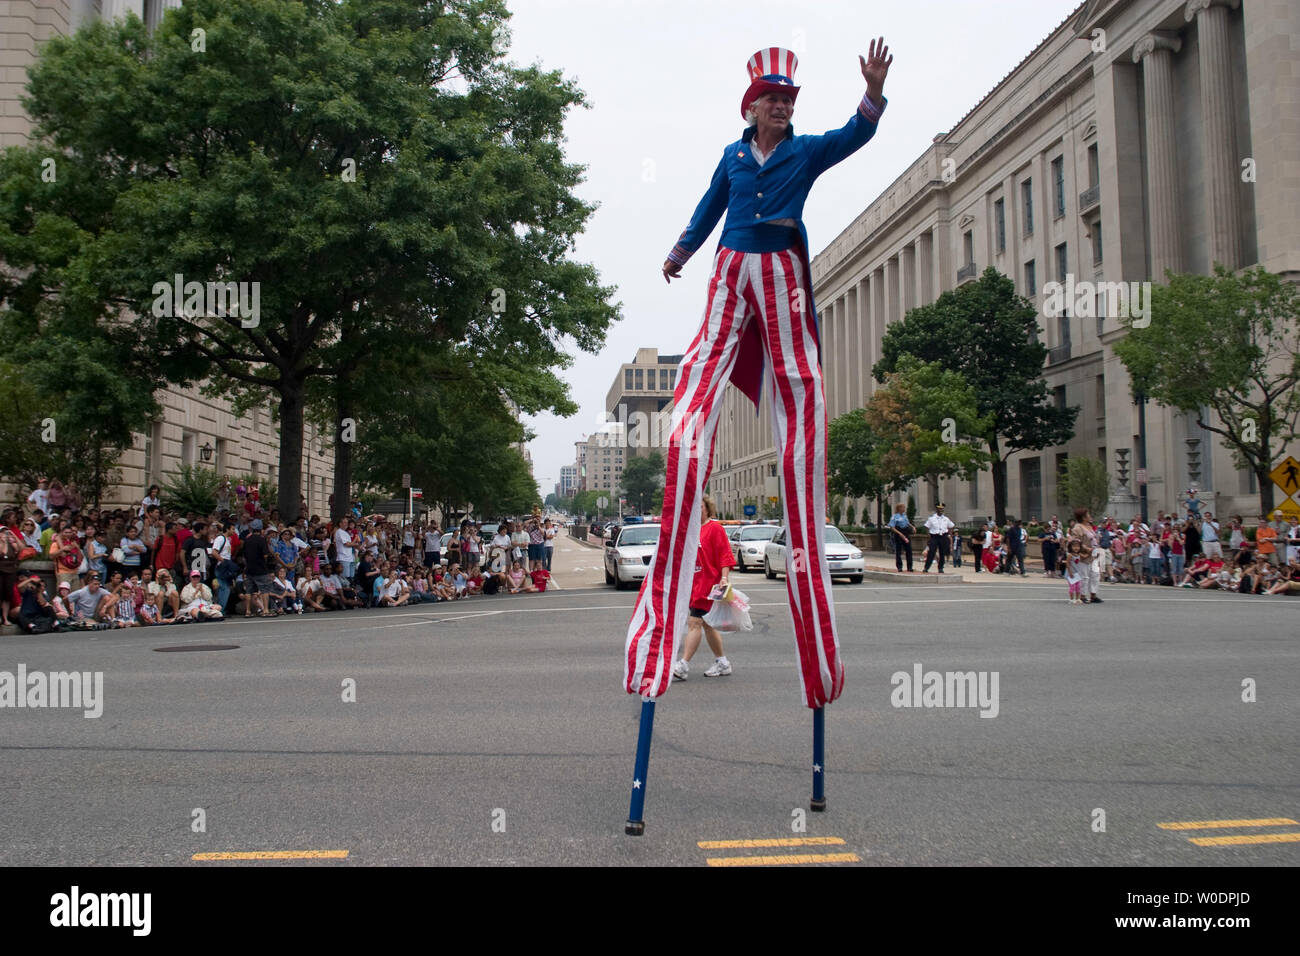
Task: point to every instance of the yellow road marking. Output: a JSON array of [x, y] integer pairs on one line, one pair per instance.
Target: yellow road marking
[[273, 855], [775, 841], [787, 860], [1224, 824], [1244, 839]]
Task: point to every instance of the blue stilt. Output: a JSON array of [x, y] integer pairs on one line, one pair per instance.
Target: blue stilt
[[635, 824], [818, 802]]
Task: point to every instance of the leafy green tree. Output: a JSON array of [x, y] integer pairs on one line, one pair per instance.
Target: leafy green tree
[[988, 334], [851, 447], [1228, 343], [642, 478], [1084, 483], [376, 168], [927, 425]]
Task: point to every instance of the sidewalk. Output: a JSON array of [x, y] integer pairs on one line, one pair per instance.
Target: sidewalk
[[577, 564]]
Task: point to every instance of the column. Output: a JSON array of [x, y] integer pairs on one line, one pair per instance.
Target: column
[[1155, 52], [925, 267], [843, 309], [829, 354], [1219, 130], [852, 359], [907, 269]]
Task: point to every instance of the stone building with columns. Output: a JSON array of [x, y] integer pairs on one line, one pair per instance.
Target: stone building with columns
[[1139, 136], [193, 428]]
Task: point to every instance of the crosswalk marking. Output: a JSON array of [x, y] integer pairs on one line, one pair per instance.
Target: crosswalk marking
[[1243, 839], [1225, 824], [775, 841], [789, 859], [272, 855]]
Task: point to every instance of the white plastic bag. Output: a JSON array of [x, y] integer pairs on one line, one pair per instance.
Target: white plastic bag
[[730, 611]]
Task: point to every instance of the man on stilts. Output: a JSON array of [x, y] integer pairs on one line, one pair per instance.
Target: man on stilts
[[759, 323]]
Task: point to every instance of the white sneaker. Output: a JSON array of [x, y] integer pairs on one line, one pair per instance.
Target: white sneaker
[[721, 668], [681, 669]]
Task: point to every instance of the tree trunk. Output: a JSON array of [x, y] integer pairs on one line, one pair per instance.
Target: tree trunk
[[1265, 490], [292, 399], [343, 451], [999, 485]]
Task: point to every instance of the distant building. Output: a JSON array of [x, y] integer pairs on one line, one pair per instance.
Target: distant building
[[641, 401], [568, 485]]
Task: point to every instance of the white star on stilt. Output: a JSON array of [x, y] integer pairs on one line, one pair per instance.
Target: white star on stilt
[[636, 784], [817, 768]]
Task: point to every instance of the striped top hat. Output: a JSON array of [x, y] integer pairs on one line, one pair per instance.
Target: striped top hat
[[770, 70]]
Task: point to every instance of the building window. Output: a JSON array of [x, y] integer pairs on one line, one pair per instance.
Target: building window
[[1058, 394], [627, 379], [1027, 202], [1031, 487], [1063, 327], [1062, 459], [152, 453], [663, 380], [1101, 398], [640, 381], [1000, 224], [1096, 243], [1031, 280], [968, 247], [1062, 263], [1058, 184], [1094, 166]]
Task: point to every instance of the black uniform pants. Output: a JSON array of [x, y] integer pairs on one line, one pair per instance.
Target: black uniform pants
[[902, 545], [938, 545]]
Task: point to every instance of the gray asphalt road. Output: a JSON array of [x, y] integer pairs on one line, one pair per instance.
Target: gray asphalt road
[[495, 731]]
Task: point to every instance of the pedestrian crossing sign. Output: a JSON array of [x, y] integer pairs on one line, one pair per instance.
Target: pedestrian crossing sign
[[1287, 476]]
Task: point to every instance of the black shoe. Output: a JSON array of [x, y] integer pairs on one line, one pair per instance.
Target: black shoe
[[1097, 600]]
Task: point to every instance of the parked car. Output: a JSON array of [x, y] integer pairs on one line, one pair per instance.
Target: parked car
[[628, 557], [844, 560], [749, 543]]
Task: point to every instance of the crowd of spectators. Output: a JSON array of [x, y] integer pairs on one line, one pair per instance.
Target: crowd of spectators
[[152, 565], [1192, 550]]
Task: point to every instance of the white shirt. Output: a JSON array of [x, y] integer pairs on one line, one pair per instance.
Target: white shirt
[[343, 546], [40, 498], [938, 524], [431, 541], [221, 545]]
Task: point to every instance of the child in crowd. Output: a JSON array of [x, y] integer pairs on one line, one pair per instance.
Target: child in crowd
[[1074, 570], [519, 579], [540, 576]]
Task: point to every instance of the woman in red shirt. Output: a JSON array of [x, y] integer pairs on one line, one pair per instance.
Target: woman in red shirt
[[713, 566]]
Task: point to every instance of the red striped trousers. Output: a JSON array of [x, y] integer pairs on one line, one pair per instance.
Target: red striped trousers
[[769, 288]]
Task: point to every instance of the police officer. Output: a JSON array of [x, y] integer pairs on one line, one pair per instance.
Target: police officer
[[899, 530], [940, 527]]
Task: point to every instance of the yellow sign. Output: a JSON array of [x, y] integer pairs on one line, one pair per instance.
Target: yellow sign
[[1287, 475], [1289, 509]]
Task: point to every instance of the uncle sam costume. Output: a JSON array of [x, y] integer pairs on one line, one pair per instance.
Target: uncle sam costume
[[760, 323]]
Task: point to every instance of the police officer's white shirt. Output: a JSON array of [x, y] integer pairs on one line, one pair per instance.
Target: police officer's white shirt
[[938, 524]]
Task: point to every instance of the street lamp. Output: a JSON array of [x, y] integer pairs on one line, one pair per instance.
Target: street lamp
[[206, 452]]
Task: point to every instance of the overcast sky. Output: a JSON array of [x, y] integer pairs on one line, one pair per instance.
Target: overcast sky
[[664, 78]]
